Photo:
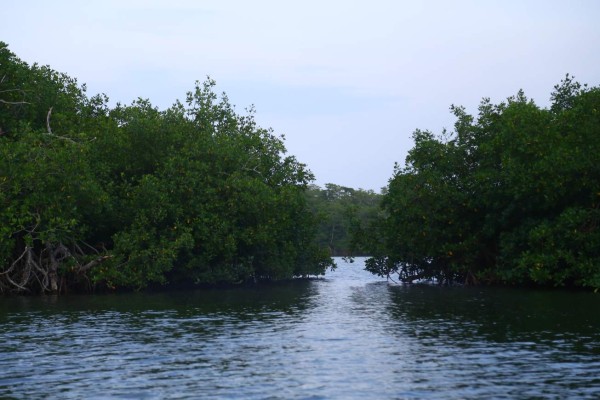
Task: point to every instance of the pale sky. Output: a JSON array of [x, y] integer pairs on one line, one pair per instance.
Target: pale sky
[[347, 82]]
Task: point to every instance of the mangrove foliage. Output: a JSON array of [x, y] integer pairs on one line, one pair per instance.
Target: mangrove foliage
[[511, 196], [131, 196], [341, 211]]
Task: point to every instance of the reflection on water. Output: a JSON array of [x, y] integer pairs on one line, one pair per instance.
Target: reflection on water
[[501, 342], [349, 335]]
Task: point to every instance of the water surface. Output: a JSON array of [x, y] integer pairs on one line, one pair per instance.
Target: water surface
[[348, 335]]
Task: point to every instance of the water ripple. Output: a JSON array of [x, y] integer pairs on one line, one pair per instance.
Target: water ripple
[[347, 336]]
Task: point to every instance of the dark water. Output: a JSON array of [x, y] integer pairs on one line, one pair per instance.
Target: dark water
[[349, 335]]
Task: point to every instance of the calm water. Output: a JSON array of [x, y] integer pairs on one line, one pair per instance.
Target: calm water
[[348, 335]]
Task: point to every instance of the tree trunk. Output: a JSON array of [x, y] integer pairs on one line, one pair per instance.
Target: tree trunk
[[52, 269]]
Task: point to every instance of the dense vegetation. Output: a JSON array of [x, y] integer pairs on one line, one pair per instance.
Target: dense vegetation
[[341, 212], [512, 196], [130, 196]]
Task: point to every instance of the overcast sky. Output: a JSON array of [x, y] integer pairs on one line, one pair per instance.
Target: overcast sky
[[347, 82]]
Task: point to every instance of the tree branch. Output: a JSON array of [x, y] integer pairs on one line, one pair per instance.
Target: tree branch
[[14, 102], [93, 263], [50, 130], [12, 266], [48, 121]]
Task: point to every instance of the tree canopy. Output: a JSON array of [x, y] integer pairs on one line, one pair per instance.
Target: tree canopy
[[131, 196], [341, 211], [511, 196]]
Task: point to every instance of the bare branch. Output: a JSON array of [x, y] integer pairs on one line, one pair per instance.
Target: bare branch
[[12, 266], [88, 245], [26, 273], [48, 121], [14, 102], [12, 90], [93, 263], [16, 284], [31, 261], [50, 130], [391, 279]]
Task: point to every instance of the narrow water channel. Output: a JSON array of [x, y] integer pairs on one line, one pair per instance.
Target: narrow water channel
[[347, 335]]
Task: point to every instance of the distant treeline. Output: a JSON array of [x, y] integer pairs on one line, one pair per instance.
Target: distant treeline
[[93, 196], [341, 212], [511, 196]]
